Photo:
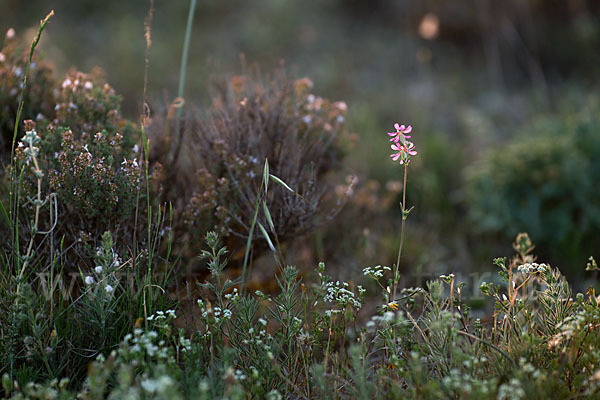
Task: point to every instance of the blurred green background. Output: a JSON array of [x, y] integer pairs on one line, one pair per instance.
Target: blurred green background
[[502, 96]]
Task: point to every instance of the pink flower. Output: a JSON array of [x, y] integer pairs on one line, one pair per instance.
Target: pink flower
[[401, 133], [404, 149]]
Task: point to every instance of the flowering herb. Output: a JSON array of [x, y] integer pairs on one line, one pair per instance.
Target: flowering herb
[[404, 149]]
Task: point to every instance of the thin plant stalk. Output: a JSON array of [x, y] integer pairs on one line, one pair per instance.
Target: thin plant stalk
[[404, 215], [184, 56], [36, 219], [12, 210]]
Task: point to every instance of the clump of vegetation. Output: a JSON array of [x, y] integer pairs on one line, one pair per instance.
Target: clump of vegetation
[[544, 181], [253, 119], [114, 329], [306, 340], [38, 97]]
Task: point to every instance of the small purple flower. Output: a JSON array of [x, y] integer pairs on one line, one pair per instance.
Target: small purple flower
[[401, 133], [404, 149]]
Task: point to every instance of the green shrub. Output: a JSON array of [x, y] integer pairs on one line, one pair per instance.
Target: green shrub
[[89, 163], [545, 182]]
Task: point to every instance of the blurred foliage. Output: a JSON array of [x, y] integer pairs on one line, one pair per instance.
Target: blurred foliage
[[38, 95], [466, 74], [544, 181], [213, 160]]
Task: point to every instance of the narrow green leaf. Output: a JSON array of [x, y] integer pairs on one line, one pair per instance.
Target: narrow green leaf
[[248, 244], [266, 235], [5, 215], [268, 215], [282, 183], [266, 175]]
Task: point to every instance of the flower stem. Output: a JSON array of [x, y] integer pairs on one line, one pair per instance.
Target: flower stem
[[404, 215]]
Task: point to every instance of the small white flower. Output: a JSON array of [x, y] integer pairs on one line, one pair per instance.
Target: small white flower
[[88, 85], [98, 269], [109, 289], [89, 280]]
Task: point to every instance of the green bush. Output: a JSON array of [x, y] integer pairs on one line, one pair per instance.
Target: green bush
[[544, 181]]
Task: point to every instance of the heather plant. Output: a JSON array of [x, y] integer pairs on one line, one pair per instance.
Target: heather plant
[[91, 166], [85, 148], [251, 120]]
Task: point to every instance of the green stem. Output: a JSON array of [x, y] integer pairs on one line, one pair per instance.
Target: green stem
[[184, 56], [249, 241], [12, 210], [397, 269]]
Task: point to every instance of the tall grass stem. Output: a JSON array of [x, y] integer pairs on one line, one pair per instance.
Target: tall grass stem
[[184, 56]]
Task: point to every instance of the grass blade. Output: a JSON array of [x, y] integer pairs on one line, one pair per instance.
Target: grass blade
[[266, 235]]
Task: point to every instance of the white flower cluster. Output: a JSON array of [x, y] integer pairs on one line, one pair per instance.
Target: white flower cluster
[[159, 385], [233, 296], [184, 343], [511, 390], [220, 315], [388, 317], [239, 375], [465, 385], [105, 275], [530, 369], [568, 327], [259, 338], [274, 395], [161, 315], [532, 268], [338, 293], [376, 272], [143, 343]]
